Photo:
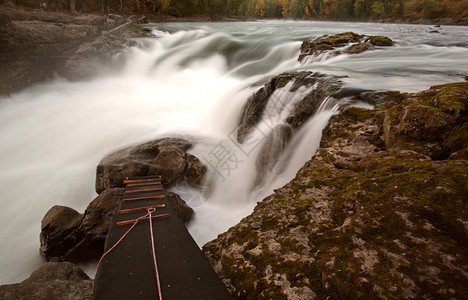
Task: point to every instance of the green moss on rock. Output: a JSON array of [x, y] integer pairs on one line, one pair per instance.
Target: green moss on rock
[[378, 40], [363, 219]]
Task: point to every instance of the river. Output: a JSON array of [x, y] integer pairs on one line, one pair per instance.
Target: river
[[191, 81]]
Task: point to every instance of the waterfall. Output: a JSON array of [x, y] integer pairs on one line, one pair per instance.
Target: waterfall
[[193, 81]]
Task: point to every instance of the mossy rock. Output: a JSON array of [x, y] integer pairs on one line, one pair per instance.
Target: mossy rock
[[449, 98], [378, 40], [372, 224], [353, 42]]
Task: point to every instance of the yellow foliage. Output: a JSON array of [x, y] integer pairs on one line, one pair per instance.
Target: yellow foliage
[[260, 8]]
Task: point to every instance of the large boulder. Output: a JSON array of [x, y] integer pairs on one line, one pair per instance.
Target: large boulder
[[51, 281], [92, 233], [378, 40], [81, 238], [167, 157], [56, 225], [171, 162]]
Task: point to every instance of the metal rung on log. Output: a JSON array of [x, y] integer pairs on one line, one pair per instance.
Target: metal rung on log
[[144, 184], [141, 180], [131, 210], [144, 198], [123, 223], [142, 191]]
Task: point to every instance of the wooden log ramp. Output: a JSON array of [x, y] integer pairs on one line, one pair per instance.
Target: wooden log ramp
[[157, 258]]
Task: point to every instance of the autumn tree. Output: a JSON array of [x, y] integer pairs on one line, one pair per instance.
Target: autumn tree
[[344, 9]]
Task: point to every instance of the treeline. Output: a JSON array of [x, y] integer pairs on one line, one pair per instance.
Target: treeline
[[346, 10]]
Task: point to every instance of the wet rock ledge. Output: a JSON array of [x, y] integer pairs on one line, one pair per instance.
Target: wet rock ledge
[[380, 212]]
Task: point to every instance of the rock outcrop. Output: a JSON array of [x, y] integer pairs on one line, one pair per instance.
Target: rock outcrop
[[28, 38], [52, 281], [92, 56], [368, 216], [166, 157], [347, 42], [35, 44]]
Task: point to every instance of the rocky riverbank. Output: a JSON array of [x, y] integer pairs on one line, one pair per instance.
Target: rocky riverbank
[[379, 212], [35, 44]]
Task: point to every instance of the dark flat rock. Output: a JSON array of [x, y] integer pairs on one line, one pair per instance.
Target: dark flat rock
[[127, 272]]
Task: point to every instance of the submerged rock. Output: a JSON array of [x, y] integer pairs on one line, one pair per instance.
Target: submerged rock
[[327, 43], [363, 218], [52, 281], [93, 56]]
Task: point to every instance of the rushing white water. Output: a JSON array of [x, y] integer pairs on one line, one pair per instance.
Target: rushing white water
[[192, 81]]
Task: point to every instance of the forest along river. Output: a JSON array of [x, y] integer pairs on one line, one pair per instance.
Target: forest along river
[[191, 81]]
